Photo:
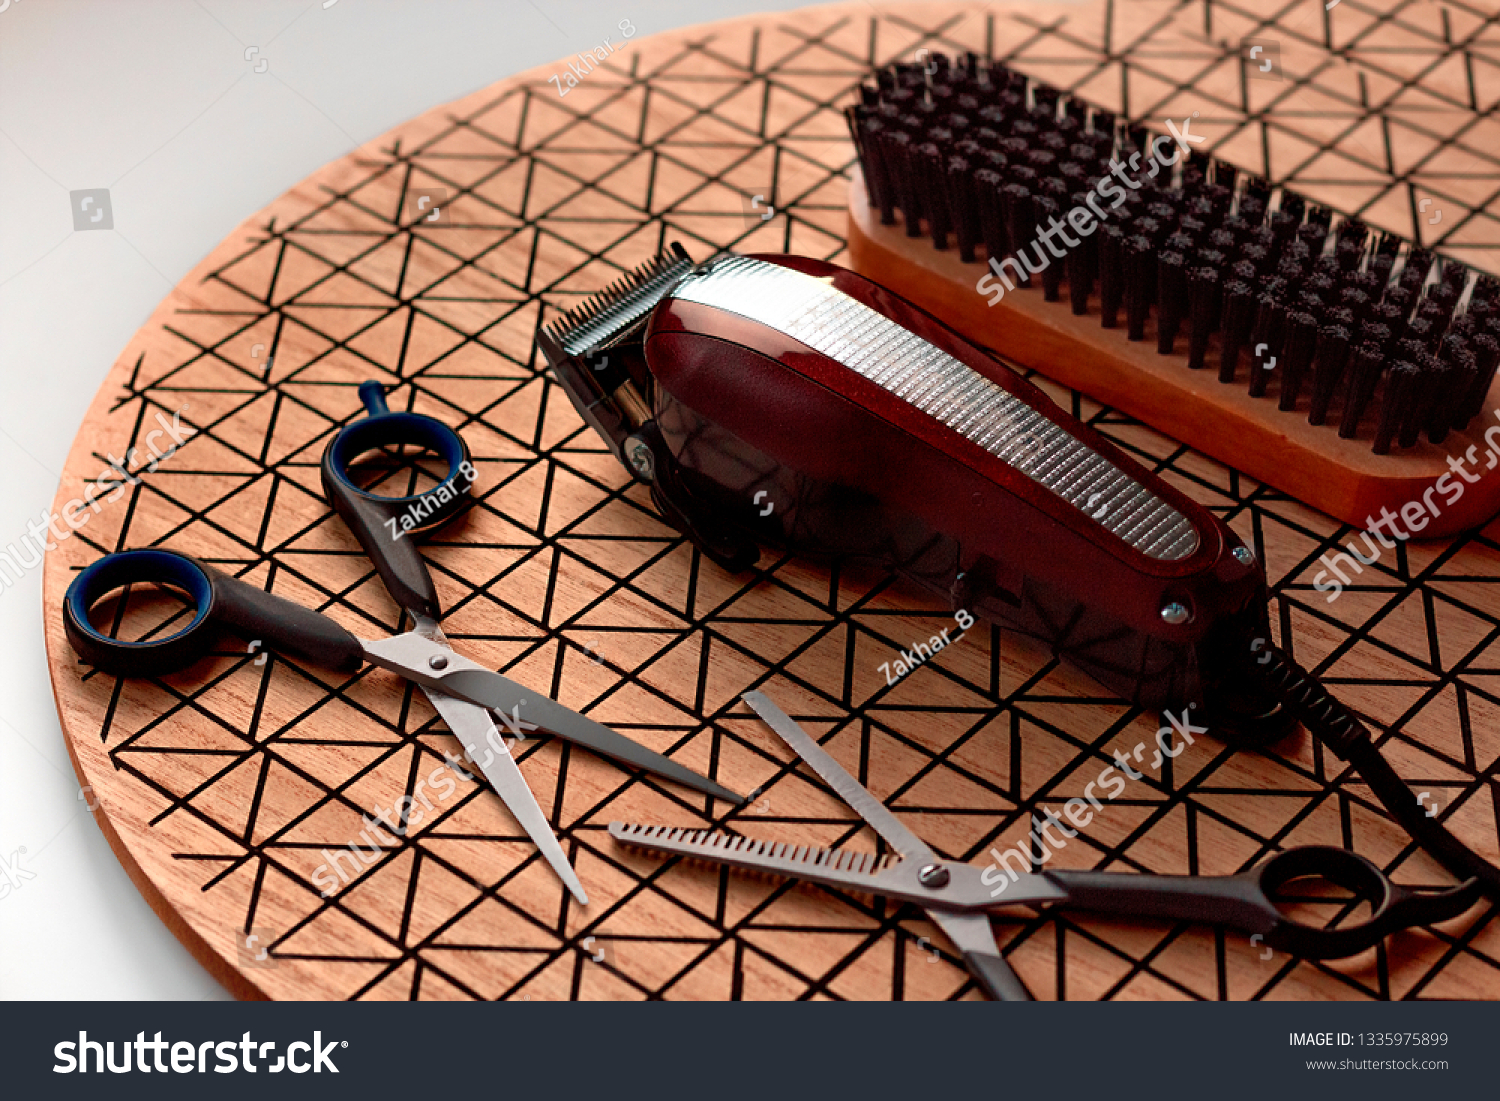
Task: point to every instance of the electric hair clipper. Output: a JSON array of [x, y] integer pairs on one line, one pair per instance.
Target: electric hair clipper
[[785, 401]]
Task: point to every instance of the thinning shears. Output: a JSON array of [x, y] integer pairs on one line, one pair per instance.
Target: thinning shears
[[957, 898], [461, 691]]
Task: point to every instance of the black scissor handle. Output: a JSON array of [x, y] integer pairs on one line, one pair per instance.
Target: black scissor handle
[[1245, 902], [1392, 907], [218, 600], [385, 526]]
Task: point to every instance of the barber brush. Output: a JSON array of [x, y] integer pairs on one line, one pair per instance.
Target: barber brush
[[1172, 264]]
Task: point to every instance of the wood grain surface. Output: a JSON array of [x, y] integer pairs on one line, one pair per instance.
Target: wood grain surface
[[226, 787]]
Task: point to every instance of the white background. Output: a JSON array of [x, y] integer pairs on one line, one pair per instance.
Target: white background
[[155, 100]]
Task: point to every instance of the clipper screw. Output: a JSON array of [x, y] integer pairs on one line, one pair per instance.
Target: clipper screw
[[641, 459], [1175, 613]]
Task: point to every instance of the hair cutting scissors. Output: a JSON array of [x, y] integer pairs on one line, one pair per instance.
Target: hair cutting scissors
[[460, 690], [957, 897]]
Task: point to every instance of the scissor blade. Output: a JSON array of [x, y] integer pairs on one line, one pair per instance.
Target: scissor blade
[[510, 698], [484, 746], [848, 788], [411, 654], [969, 932], [974, 937], [850, 870]]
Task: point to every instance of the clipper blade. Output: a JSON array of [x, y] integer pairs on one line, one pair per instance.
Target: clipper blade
[[620, 305]]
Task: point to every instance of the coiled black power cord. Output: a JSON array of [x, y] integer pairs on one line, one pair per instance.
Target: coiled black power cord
[[1333, 724]]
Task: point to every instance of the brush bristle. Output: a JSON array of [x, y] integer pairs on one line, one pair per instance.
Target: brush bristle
[[984, 158]]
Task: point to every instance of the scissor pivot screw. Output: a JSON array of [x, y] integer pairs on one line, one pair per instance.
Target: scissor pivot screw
[[933, 875], [438, 661]]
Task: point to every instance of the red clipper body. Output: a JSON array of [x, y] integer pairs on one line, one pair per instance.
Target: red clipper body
[[875, 432]]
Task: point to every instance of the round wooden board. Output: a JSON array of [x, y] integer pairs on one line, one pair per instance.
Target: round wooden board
[[225, 787]]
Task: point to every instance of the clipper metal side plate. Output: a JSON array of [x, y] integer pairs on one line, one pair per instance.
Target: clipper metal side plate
[[811, 311]]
